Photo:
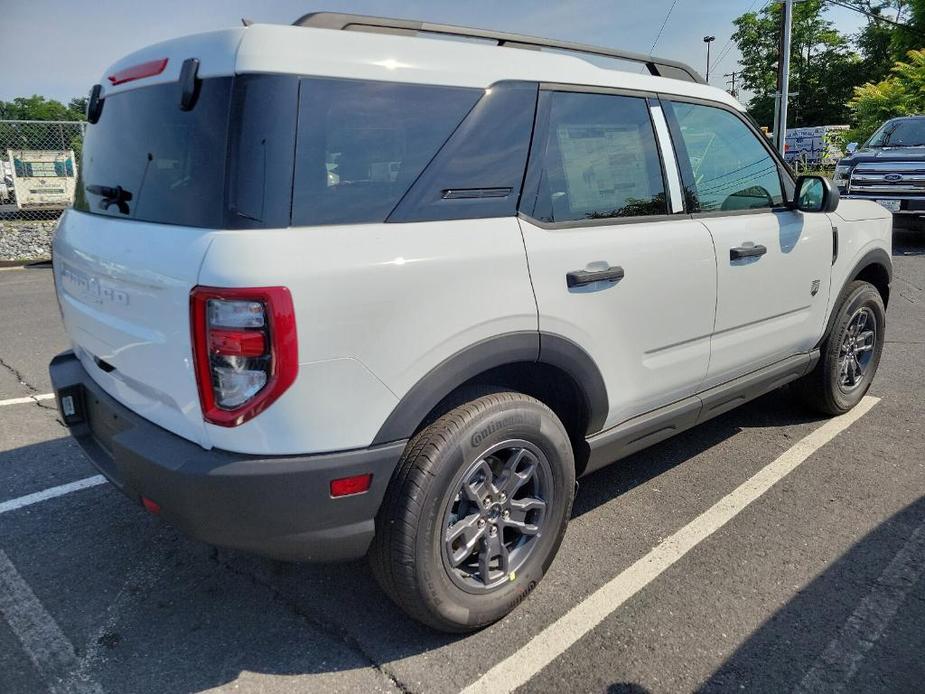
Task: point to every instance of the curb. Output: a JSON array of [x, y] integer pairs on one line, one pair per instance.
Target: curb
[[21, 264]]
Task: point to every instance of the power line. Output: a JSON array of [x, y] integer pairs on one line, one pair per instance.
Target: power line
[[872, 15], [662, 27], [727, 47]]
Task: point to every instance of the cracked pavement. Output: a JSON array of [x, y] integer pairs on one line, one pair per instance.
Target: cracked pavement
[[754, 607]]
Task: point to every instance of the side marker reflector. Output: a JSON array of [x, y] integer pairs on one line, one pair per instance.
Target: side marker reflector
[[150, 506], [347, 486]]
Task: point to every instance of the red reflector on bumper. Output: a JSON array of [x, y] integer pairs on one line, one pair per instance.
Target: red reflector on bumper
[[151, 506], [351, 485]]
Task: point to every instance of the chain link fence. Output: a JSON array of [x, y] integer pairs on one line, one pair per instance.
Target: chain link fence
[[39, 161]]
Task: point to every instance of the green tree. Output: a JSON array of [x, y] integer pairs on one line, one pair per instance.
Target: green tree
[[37, 107], [901, 94], [823, 66]]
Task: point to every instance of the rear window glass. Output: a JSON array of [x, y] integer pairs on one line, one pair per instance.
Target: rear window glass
[[362, 144], [146, 159]]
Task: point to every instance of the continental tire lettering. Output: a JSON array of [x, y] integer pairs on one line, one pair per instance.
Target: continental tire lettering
[[487, 431]]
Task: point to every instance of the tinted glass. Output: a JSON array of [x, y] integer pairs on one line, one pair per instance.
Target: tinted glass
[[170, 162], [480, 170], [599, 159], [899, 133], [730, 168], [362, 144], [262, 144]]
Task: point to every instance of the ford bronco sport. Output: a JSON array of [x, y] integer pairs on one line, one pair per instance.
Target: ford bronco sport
[[336, 289]]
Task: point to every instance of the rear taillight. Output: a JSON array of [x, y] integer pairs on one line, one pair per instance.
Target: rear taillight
[[245, 349]]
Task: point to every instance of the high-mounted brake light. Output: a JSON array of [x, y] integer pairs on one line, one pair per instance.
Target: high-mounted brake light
[[137, 72], [245, 349]]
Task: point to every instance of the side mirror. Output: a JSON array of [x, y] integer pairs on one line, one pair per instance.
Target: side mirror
[[851, 147], [815, 194]]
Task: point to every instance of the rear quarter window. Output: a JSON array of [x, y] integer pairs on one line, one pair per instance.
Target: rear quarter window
[[362, 144]]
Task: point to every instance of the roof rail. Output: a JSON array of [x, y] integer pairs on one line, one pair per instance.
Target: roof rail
[[660, 67]]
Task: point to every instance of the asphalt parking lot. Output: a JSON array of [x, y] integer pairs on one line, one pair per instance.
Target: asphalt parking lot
[[768, 550]]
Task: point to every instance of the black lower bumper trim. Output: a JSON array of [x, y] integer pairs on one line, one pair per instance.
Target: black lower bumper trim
[[275, 506]]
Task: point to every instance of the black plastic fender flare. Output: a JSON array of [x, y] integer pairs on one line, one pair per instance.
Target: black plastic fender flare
[[500, 350], [875, 256]]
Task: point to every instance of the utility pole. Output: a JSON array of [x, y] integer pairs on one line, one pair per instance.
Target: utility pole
[[732, 81], [708, 40], [783, 79]]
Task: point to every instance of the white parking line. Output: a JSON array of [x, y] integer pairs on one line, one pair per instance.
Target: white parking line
[[38, 632], [556, 638], [838, 663], [28, 400], [45, 494]]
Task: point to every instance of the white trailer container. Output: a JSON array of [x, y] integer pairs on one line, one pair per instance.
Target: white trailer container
[[42, 179]]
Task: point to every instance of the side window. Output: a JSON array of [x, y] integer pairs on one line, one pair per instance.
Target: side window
[[730, 169], [599, 161], [362, 144]]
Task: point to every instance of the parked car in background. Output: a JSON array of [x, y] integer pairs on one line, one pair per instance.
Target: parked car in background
[[337, 292], [889, 169]]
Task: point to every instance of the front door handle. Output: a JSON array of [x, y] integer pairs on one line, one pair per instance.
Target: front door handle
[[579, 278], [747, 252]]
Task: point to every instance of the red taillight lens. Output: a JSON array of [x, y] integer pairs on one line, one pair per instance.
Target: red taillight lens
[[245, 349], [137, 72], [237, 343], [346, 486]]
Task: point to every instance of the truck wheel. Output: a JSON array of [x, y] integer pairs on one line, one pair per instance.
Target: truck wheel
[[475, 512], [851, 353]]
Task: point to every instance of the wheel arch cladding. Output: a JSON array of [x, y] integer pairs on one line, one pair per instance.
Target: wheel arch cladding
[[875, 267], [504, 360]]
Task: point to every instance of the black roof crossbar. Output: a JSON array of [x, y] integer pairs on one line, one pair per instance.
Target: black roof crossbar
[[660, 67]]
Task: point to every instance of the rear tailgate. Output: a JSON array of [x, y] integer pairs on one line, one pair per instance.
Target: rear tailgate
[[124, 290]]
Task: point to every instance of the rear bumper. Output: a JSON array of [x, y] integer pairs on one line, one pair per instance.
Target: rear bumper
[[275, 506]]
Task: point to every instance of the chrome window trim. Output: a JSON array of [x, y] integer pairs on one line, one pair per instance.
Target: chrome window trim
[[672, 173]]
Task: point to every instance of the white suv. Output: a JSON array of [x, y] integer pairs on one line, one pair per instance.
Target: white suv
[[334, 292]]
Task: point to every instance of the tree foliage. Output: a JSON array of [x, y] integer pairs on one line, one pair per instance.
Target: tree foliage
[[823, 67], [828, 68], [37, 107], [901, 94]]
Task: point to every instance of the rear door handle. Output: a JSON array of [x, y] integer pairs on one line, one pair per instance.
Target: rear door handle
[[579, 278], [747, 252]]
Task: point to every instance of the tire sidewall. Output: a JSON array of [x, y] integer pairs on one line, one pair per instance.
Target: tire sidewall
[[523, 419], [864, 295]]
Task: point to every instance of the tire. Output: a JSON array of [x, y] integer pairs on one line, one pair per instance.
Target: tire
[[441, 487], [826, 388]]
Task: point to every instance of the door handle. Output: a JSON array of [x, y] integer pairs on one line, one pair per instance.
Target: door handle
[[579, 278], [747, 252]]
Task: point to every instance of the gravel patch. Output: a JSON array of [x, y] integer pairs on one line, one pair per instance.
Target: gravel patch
[[26, 239]]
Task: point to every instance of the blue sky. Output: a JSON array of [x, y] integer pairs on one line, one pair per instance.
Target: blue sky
[[59, 48]]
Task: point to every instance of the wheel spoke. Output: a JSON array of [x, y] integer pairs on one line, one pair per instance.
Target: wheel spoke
[[865, 341], [514, 479], [480, 484], [519, 509], [467, 529], [492, 547], [861, 322]]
